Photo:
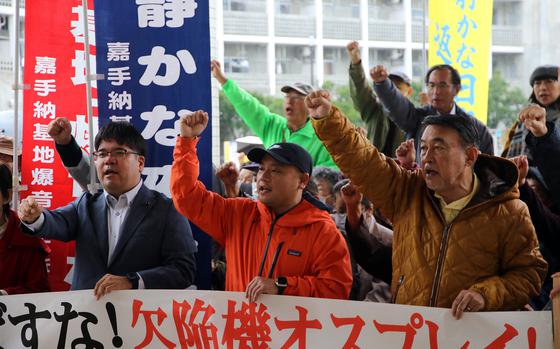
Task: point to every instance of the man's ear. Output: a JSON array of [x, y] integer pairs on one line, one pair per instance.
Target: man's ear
[[304, 180], [409, 91], [472, 154], [141, 161], [457, 89]]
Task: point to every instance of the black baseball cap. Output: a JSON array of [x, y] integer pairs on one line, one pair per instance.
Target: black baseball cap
[[285, 153]]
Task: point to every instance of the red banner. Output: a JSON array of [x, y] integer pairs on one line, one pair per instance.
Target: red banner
[[55, 72]]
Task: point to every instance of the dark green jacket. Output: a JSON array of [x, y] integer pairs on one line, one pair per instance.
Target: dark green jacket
[[381, 131]]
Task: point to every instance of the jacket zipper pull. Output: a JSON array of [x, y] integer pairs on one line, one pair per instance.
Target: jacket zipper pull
[[399, 283]]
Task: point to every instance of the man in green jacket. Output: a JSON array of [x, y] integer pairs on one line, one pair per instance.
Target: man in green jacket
[[381, 130], [272, 128]]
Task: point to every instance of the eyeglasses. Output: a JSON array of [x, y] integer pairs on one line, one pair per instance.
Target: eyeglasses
[[117, 154], [441, 86], [293, 97]]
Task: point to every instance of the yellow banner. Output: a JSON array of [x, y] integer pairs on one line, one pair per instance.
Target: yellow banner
[[460, 35]]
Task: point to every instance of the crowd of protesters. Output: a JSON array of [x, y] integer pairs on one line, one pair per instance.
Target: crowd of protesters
[[415, 210]]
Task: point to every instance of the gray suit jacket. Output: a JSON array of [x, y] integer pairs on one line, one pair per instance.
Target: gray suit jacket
[[155, 240]]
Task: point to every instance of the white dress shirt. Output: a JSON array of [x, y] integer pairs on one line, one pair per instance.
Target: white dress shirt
[[452, 112], [117, 209]]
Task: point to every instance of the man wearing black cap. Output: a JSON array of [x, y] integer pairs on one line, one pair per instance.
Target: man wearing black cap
[[273, 128], [545, 98], [280, 244], [443, 83]]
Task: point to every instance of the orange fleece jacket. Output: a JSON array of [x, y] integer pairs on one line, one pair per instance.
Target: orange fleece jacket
[[314, 257]]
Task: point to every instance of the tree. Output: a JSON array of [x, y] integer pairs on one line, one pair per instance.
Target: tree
[[504, 102], [231, 124], [416, 89]]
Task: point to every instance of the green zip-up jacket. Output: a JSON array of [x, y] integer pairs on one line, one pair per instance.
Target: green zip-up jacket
[[272, 128], [381, 130]]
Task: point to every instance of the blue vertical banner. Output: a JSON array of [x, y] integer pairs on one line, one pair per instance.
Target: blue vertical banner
[[155, 59]]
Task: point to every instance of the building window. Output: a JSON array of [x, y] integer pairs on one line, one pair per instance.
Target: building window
[[386, 10], [392, 59], [244, 58], [4, 27], [507, 13], [245, 5]]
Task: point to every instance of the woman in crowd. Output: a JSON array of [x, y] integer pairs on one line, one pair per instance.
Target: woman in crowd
[[22, 258]]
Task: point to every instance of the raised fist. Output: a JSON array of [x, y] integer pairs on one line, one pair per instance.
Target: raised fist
[[60, 131], [378, 74], [350, 195], [228, 173], [319, 104], [217, 72], [523, 167], [534, 119], [29, 210], [406, 154], [353, 49], [193, 124]]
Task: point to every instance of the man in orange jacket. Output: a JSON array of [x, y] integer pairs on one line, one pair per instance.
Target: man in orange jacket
[[281, 243]]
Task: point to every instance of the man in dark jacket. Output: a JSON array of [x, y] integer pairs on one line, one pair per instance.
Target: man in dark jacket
[[128, 236], [444, 83]]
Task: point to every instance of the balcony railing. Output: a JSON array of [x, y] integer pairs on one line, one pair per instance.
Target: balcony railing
[[298, 26], [386, 31], [507, 36], [245, 23], [8, 3], [341, 28]]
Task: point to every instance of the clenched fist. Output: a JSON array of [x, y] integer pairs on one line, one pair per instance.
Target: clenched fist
[[217, 72], [353, 49], [406, 154], [523, 167], [534, 118], [29, 210], [193, 124], [60, 131], [378, 74], [319, 104], [350, 195]]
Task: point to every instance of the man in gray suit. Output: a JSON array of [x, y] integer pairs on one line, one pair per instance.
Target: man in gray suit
[[127, 236]]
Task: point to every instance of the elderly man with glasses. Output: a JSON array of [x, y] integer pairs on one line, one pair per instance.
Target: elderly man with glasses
[[127, 236], [444, 83]]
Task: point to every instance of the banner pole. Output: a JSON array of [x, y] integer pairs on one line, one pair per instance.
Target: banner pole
[[556, 311], [92, 187], [16, 87], [424, 59]]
